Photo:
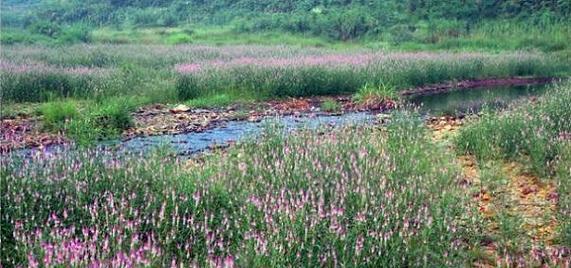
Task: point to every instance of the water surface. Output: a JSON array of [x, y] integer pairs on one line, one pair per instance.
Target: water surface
[[461, 101]]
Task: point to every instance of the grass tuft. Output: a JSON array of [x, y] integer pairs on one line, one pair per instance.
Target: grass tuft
[[56, 114]]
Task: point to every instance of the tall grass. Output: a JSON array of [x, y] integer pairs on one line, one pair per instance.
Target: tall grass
[[346, 73], [165, 73], [39, 82], [55, 114], [350, 198]]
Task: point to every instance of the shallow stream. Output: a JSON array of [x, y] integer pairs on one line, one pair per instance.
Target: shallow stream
[[452, 102]]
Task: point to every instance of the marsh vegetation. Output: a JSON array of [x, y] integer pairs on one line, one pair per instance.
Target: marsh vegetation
[[278, 134]]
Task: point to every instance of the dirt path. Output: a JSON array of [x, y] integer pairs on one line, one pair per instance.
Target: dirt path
[[518, 211]]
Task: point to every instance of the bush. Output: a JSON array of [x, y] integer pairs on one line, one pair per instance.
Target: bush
[[167, 20], [75, 33], [401, 34], [178, 38], [47, 28]]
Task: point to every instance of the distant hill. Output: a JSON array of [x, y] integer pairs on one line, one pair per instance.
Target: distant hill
[[334, 19]]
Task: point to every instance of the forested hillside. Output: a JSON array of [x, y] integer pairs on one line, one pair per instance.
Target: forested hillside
[[395, 20]]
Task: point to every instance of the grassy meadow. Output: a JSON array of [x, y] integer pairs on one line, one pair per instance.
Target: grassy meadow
[[179, 73], [356, 196], [489, 188]]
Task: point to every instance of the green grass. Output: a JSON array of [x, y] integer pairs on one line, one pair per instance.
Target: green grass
[[158, 35], [563, 179], [264, 79], [55, 114], [377, 93], [331, 106], [499, 35], [219, 100], [208, 35], [225, 35], [531, 131], [41, 84], [36, 74]]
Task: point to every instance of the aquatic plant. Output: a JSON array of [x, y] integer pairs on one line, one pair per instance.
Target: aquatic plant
[[379, 93]]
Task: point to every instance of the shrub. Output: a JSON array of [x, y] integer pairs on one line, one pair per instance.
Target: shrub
[[75, 33], [401, 34], [178, 38], [47, 28]]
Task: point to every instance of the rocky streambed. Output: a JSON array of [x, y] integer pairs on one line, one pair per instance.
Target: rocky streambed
[[189, 130]]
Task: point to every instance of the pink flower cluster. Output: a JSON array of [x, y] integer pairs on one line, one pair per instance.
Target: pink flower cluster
[[35, 67]]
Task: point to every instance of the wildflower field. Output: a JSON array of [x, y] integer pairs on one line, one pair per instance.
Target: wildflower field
[[394, 193], [299, 133], [355, 196]]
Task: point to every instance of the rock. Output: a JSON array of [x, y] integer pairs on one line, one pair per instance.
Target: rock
[[254, 119], [201, 111], [383, 116], [182, 117], [528, 190], [181, 108]]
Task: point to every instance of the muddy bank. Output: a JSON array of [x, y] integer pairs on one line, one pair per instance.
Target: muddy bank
[[24, 132], [477, 83], [163, 120]]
